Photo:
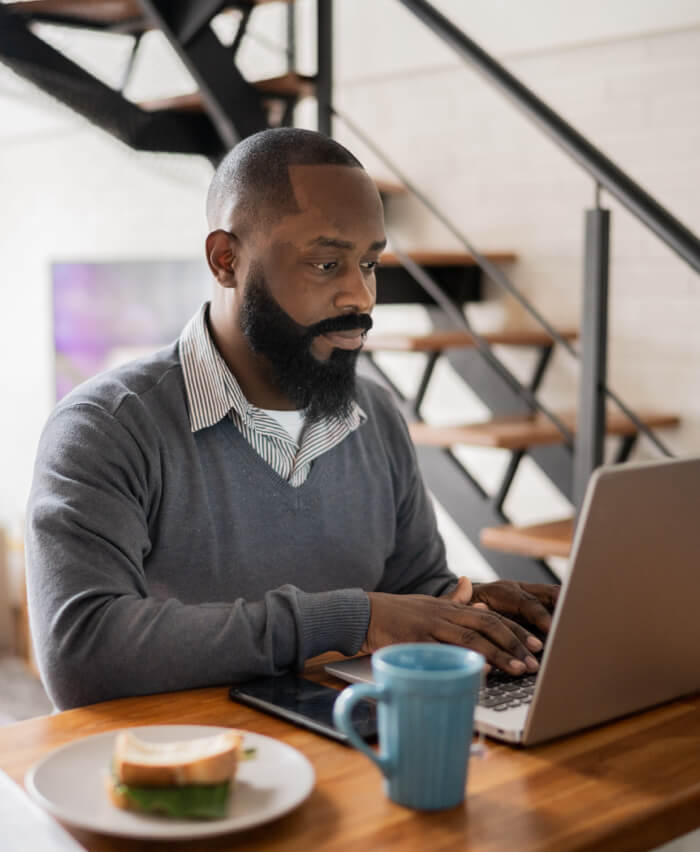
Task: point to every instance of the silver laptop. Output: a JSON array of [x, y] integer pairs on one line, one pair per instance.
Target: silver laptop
[[626, 632]]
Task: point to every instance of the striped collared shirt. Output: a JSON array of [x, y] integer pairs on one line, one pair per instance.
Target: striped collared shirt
[[213, 393]]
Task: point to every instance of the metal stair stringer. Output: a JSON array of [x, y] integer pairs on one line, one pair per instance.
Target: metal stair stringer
[[54, 73], [231, 102], [556, 462], [468, 505]]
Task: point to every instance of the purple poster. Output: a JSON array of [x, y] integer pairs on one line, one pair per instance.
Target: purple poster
[[108, 313]]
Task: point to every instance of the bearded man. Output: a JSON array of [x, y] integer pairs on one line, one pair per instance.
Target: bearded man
[[241, 501]]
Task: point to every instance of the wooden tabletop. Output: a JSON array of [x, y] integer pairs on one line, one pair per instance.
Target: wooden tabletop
[[631, 785]]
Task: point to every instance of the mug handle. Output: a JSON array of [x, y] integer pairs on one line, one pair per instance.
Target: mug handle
[[342, 713]]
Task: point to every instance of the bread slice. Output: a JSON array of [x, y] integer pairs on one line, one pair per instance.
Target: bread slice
[[208, 760], [117, 795]]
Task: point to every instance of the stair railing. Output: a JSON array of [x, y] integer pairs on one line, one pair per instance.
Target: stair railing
[[593, 388]]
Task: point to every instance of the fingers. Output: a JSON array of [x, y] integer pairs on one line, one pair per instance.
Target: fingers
[[502, 642], [530, 602], [535, 613], [462, 592], [538, 601], [546, 593]]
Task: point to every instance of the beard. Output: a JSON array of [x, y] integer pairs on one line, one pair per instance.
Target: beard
[[321, 388]]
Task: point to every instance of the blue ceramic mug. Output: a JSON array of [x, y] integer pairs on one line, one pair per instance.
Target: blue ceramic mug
[[426, 696]]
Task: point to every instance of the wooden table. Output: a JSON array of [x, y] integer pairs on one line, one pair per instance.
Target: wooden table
[[631, 785]]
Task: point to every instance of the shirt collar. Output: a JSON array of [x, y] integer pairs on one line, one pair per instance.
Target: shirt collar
[[211, 388]]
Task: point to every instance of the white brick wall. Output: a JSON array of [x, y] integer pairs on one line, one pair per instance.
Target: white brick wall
[[638, 99]]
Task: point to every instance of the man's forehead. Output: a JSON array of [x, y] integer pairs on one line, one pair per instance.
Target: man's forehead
[[336, 205], [329, 185]]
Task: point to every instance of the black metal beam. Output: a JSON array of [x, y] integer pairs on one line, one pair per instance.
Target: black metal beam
[[460, 283], [499, 497], [499, 397], [669, 229], [469, 506], [57, 75], [187, 18], [495, 273], [129, 67], [324, 73], [590, 436], [424, 382], [233, 105], [624, 449], [291, 29], [455, 314]]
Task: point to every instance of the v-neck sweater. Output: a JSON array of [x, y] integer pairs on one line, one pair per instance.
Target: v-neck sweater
[[162, 559]]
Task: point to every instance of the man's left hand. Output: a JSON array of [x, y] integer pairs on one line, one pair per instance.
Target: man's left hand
[[531, 603]]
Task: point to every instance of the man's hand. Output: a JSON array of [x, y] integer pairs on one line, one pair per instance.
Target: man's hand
[[529, 603], [421, 618]]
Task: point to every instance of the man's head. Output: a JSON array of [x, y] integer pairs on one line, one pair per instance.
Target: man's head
[[296, 231]]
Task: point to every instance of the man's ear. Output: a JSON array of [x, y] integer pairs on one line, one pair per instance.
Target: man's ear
[[222, 256]]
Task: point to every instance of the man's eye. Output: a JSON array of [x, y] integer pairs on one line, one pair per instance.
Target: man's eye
[[325, 267], [370, 264]]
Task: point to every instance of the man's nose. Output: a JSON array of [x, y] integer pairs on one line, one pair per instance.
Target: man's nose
[[357, 291]]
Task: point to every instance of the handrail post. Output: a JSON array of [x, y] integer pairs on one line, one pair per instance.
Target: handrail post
[[590, 437], [324, 65], [291, 27]]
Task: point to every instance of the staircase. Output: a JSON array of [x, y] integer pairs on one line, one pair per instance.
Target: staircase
[[227, 107]]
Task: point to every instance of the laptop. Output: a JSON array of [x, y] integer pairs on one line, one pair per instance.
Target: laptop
[[625, 635]]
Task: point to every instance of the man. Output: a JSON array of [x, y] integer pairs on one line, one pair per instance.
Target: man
[[239, 502]]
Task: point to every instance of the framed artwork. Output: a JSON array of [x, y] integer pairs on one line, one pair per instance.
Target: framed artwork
[[105, 314]]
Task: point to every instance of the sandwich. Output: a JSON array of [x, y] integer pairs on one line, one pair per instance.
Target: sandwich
[[183, 780]]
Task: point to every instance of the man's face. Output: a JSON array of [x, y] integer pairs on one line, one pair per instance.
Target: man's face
[[323, 388], [310, 287]]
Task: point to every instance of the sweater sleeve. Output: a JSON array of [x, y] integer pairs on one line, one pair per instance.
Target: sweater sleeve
[[417, 564], [98, 633]]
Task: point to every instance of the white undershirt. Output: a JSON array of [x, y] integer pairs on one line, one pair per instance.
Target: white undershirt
[[292, 421]]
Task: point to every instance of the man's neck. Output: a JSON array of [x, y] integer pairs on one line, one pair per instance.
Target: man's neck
[[250, 369]]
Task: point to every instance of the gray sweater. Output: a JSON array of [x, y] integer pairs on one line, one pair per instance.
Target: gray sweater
[[161, 559]]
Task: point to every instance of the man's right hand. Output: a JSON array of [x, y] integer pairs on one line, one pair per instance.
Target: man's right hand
[[421, 618]]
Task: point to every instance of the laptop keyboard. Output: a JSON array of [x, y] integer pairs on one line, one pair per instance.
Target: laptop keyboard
[[503, 692]]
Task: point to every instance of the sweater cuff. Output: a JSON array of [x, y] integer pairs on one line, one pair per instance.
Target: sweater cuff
[[332, 621]]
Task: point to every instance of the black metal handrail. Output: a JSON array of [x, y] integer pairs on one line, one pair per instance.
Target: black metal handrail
[[499, 276], [645, 208]]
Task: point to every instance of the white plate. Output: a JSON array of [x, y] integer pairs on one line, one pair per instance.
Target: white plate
[[69, 783]]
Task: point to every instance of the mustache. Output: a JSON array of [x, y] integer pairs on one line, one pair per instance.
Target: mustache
[[346, 322]]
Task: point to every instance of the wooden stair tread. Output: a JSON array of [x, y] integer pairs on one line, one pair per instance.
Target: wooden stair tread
[[287, 85], [437, 341], [538, 540], [519, 433], [99, 11], [87, 11], [448, 258], [388, 187]]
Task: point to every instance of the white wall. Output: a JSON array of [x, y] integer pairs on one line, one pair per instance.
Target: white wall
[[76, 195], [626, 74]]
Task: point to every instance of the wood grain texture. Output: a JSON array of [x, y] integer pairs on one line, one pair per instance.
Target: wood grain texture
[[438, 341], [521, 432], [388, 187], [284, 86], [626, 786], [538, 540], [100, 11], [96, 11]]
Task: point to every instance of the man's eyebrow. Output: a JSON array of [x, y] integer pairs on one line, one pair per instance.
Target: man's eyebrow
[[333, 242]]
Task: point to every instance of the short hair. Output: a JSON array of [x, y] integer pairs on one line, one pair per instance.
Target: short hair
[[255, 174]]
